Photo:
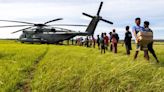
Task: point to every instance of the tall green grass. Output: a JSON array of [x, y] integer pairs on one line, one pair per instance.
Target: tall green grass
[[15, 62], [77, 69]]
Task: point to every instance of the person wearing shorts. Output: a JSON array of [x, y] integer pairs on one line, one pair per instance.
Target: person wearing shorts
[[136, 29]]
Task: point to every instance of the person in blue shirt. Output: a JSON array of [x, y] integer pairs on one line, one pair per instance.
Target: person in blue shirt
[[136, 29]]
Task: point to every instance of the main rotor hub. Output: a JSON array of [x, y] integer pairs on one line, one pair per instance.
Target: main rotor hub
[[39, 25]]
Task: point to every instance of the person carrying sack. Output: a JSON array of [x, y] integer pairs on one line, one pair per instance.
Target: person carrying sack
[[150, 44], [138, 34]]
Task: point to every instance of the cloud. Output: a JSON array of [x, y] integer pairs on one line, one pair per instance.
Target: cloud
[[121, 12]]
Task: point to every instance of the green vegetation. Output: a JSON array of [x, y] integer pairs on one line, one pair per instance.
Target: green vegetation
[[15, 62], [53, 68]]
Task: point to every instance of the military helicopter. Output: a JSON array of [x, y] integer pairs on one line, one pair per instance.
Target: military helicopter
[[45, 33]]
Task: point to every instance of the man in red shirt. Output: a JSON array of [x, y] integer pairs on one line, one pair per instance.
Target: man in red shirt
[[110, 40], [115, 39], [106, 41]]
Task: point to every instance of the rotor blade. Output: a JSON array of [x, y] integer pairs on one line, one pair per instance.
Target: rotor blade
[[98, 13], [69, 25], [88, 15], [53, 20], [16, 21], [14, 26], [107, 21], [21, 30]]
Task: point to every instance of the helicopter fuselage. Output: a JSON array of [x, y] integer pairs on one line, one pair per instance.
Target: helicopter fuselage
[[48, 36]]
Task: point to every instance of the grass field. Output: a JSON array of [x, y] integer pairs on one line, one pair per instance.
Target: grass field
[[54, 68]]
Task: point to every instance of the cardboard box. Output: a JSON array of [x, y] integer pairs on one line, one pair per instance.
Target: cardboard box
[[145, 38]]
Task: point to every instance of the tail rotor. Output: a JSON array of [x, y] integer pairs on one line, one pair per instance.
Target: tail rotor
[[98, 15]]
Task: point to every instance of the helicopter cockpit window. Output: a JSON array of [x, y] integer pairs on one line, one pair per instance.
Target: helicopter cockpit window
[[53, 30]]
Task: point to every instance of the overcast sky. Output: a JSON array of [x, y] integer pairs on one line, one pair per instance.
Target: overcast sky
[[121, 12]]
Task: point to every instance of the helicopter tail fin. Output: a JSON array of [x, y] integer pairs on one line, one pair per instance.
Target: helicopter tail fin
[[92, 26]]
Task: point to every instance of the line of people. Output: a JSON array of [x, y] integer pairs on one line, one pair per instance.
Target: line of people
[[111, 41], [89, 41], [105, 42]]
